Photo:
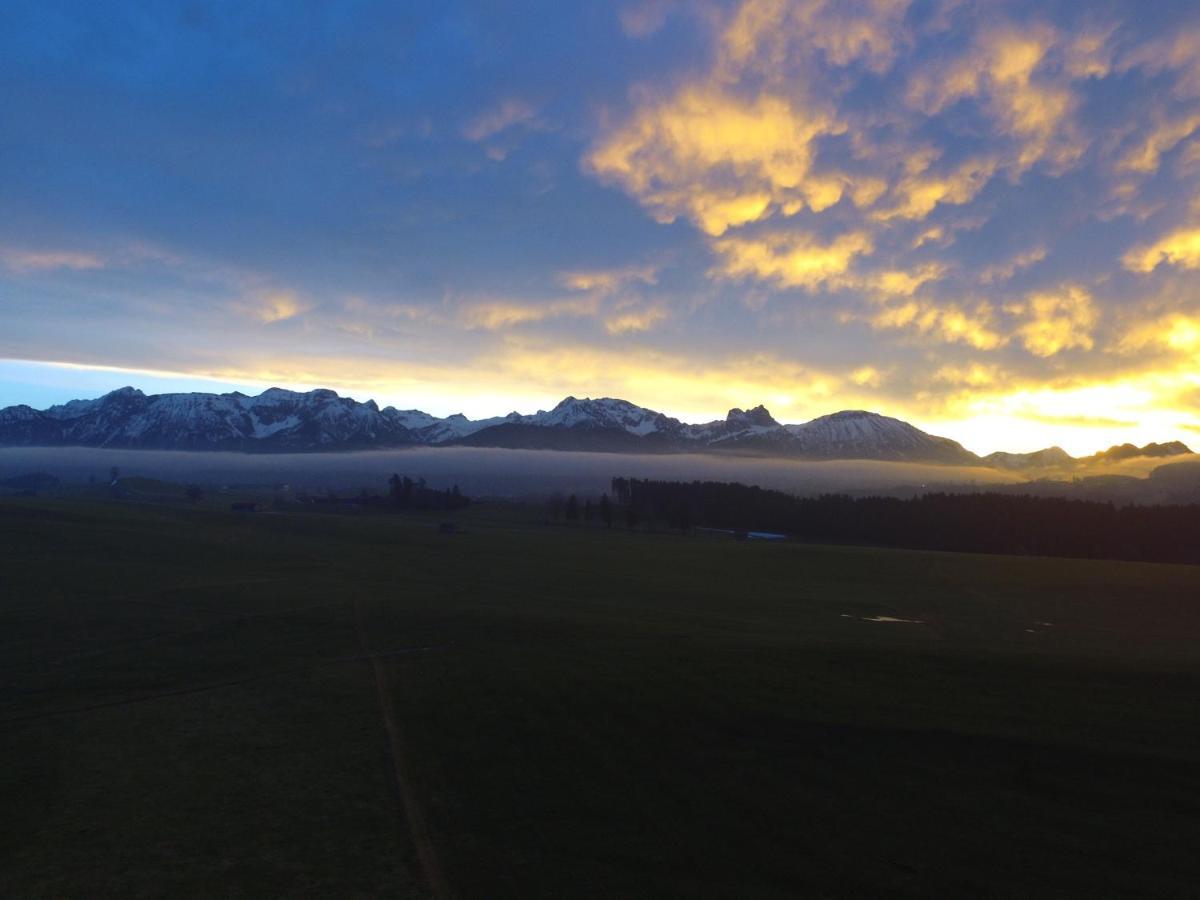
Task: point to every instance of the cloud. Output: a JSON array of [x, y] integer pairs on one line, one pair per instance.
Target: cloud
[[718, 158], [644, 18], [973, 375], [1176, 332], [1055, 321], [935, 234], [1179, 248], [1164, 136], [791, 259], [868, 376], [21, 260], [271, 306], [1006, 70], [1089, 52], [1005, 270], [495, 315], [917, 195], [634, 321], [608, 280], [1177, 51], [738, 144], [507, 113], [901, 282], [617, 316], [950, 323], [773, 37]]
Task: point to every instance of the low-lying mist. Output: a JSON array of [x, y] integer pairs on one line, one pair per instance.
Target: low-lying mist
[[528, 474], [487, 472]]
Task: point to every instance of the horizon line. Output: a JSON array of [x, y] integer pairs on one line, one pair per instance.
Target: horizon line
[[309, 390]]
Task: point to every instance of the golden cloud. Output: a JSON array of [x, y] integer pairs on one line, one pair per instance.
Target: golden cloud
[[717, 158], [973, 375], [771, 37], [791, 259], [1176, 332], [867, 376], [1003, 70], [633, 321], [1055, 321], [737, 145], [934, 235], [901, 282], [950, 324], [1179, 248], [494, 315], [1162, 138], [271, 306], [608, 280], [916, 195]]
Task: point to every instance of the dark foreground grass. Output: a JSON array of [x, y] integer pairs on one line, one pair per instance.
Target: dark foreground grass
[[185, 710]]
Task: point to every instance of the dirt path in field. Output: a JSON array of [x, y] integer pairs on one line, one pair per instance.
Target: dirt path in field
[[418, 828]]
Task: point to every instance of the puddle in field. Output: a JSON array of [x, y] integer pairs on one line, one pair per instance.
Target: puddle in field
[[884, 619]]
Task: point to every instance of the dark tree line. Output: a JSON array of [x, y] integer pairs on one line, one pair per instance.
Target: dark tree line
[[981, 523], [675, 509], [405, 493], [590, 512]]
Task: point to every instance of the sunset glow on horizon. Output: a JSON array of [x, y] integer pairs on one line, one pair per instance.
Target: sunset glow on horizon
[[982, 219]]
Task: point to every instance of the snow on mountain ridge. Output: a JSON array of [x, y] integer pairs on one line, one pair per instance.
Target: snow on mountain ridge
[[432, 430], [282, 420], [857, 433], [604, 412]]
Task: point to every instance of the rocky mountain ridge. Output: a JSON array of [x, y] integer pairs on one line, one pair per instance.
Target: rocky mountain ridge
[[279, 420]]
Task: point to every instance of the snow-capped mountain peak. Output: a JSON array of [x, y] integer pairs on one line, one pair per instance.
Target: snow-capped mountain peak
[[859, 434], [606, 412]]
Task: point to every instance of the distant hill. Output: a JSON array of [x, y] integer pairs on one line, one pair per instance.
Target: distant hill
[[1130, 451], [1056, 457], [1038, 459]]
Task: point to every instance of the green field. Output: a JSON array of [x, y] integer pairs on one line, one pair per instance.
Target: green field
[[196, 703]]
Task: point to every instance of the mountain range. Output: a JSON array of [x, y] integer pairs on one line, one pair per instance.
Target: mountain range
[[279, 420]]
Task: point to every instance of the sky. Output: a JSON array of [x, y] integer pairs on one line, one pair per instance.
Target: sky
[[981, 218]]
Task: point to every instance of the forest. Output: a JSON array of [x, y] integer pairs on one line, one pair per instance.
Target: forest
[[977, 523]]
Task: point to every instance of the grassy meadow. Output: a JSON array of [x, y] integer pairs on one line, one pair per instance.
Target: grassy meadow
[[196, 703]]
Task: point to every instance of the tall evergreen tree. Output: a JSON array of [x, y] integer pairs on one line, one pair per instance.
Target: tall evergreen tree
[[606, 513]]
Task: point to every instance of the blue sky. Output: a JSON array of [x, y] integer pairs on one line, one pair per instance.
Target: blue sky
[[985, 219]]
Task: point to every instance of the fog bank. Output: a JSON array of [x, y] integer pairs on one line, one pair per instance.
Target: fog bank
[[488, 472]]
